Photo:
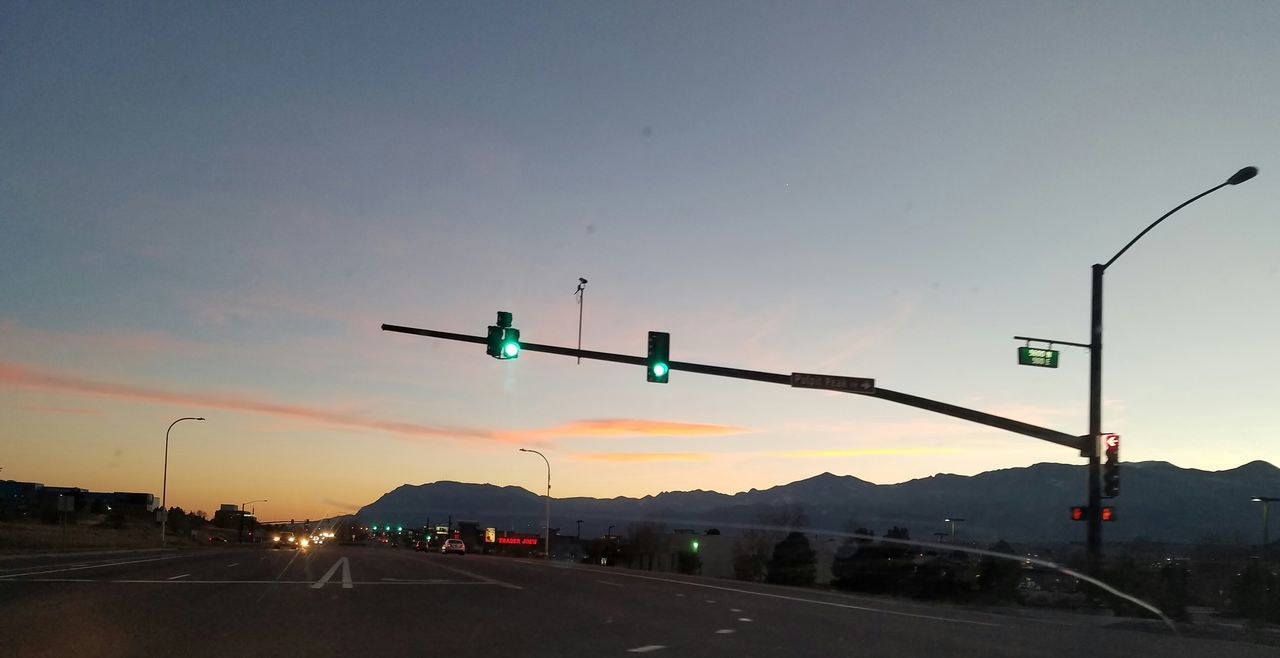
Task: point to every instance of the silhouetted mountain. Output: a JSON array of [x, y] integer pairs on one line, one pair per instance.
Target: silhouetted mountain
[[1158, 502]]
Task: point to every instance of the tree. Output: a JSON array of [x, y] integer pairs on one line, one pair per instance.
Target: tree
[[644, 540], [688, 562], [998, 578], [794, 561], [752, 550]]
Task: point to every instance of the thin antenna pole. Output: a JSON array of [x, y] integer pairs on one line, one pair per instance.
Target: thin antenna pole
[[581, 293]]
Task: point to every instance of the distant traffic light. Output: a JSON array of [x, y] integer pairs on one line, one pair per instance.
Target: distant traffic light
[[503, 341], [1111, 467], [658, 366], [695, 546], [1079, 513], [1108, 514]]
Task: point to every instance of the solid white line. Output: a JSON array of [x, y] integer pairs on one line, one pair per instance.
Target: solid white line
[[477, 576], [724, 631], [179, 576], [798, 599], [91, 566], [646, 648], [605, 582]]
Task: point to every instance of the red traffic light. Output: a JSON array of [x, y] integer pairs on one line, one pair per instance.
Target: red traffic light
[[1111, 445], [1108, 514], [1078, 513]]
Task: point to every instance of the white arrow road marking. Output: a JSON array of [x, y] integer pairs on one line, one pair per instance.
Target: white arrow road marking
[[346, 574]]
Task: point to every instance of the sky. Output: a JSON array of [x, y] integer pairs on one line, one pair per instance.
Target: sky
[[209, 209]]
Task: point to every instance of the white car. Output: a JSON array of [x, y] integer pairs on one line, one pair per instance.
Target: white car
[[453, 546]]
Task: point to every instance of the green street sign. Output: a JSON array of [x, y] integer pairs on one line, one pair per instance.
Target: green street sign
[[1034, 356]]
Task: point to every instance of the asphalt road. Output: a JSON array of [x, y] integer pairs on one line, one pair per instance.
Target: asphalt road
[[356, 601]]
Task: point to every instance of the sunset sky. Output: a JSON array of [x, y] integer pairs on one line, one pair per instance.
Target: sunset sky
[[210, 209]]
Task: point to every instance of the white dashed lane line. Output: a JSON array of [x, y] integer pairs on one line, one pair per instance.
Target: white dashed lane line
[[735, 610], [724, 631], [184, 575], [233, 564], [744, 619], [646, 648]]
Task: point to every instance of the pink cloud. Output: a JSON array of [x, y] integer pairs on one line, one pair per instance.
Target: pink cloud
[[15, 374], [640, 456], [79, 411]]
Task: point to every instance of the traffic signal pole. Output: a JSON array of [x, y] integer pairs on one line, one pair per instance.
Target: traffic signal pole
[[1008, 424], [1093, 531]]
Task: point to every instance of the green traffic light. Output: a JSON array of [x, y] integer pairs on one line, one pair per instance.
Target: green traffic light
[[511, 350], [695, 546], [659, 369]]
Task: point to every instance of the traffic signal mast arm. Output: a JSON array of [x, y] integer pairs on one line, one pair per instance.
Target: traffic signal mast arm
[[1008, 424]]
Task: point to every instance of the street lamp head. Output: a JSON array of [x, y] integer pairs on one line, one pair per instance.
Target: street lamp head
[[523, 450], [1256, 499], [199, 419], [1242, 175]]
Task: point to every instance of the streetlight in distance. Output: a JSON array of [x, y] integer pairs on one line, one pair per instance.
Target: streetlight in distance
[[544, 458], [164, 484], [953, 523], [608, 533], [1266, 530], [261, 500], [579, 529], [1093, 532]]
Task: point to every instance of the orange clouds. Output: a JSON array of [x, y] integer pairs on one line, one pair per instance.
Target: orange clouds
[[19, 375]]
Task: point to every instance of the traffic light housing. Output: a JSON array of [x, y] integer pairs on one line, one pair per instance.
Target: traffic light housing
[[658, 367], [1111, 465], [503, 341]]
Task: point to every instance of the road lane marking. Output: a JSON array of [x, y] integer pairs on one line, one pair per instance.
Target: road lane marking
[[709, 601], [346, 574], [680, 596], [734, 610], [724, 631], [477, 576], [136, 581], [233, 564], [744, 619], [798, 599], [90, 566], [647, 648], [605, 582], [178, 576]]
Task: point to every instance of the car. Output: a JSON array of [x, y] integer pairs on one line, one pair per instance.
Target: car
[[453, 546], [215, 539], [421, 545], [284, 540]]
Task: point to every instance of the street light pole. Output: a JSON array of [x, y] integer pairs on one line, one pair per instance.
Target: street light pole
[[1093, 538], [544, 458], [953, 523], [1266, 529], [164, 484], [579, 529]]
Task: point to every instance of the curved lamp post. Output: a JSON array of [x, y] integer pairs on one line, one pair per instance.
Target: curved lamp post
[[548, 520]]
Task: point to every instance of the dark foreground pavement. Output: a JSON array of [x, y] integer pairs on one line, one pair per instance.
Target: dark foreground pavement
[[355, 601]]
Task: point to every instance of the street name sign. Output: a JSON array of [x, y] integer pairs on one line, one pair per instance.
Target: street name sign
[[1035, 356], [862, 385]]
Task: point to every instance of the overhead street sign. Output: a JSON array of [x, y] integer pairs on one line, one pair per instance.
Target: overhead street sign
[[1035, 356], [862, 385]]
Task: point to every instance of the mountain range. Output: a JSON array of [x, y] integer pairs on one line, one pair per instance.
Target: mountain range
[[1158, 502]]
